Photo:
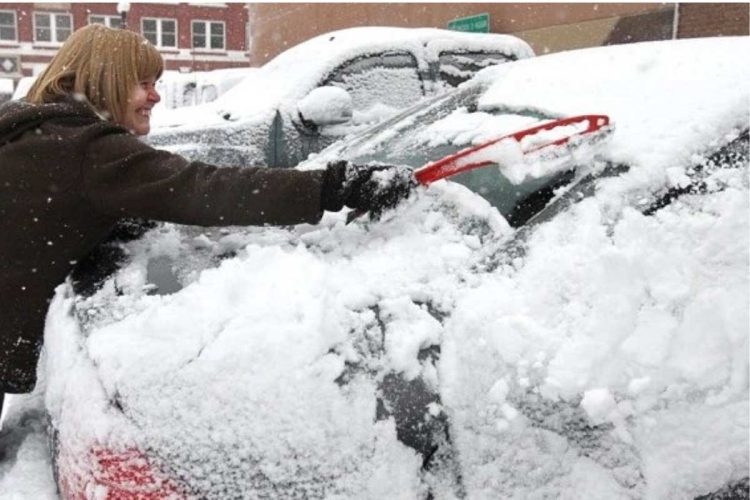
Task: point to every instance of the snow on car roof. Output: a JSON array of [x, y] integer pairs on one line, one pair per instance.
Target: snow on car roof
[[610, 356], [649, 90], [338, 46], [297, 70]]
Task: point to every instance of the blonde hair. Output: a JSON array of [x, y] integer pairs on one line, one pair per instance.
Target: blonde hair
[[103, 65]]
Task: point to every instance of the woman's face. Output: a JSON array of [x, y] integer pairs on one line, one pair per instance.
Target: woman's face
[[142, 99]]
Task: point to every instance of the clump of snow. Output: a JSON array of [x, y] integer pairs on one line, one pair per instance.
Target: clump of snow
[[327, 105], [463, 128], [598, 403], [544, 137]]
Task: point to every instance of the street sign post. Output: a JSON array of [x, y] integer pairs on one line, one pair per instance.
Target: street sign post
[[479, 23]]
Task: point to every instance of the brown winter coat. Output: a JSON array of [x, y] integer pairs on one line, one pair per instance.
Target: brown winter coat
[[67, 176]]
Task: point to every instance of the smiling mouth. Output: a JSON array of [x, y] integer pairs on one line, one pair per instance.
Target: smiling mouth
[[145, 112]]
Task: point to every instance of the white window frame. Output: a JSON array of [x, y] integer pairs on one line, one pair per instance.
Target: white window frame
[[207, 23], [15, 26], [107, 19], [52, 26], [159, 32]]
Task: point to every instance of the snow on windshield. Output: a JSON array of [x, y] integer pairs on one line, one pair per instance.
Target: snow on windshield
[[463, 128]]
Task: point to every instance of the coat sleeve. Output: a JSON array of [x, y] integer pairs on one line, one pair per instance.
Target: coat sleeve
[[125, 177]]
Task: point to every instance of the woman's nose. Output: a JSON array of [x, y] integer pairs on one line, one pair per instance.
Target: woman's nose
[[153, 95]]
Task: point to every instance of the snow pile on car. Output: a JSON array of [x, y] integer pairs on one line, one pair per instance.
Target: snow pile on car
[[611, 358], [261, 375]]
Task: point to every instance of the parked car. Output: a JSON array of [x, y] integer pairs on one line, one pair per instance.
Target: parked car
[[575, 329], [23, 87], [6, 89], [178, 89], [320, 90]]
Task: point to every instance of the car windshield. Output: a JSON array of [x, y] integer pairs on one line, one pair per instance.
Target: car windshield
[[446, 126]]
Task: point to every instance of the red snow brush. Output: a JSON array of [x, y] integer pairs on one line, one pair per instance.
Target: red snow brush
[[532, 140], [552, 139]]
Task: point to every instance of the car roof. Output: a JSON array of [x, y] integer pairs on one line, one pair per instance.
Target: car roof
[[344, 44], [665, 98]]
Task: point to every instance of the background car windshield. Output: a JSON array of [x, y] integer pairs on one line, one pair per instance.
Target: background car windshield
[[446, 127]]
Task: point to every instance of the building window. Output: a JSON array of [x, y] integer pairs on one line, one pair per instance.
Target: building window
[[109, 21], [208, 35], [52, 27], [160, 32], [8, 26]]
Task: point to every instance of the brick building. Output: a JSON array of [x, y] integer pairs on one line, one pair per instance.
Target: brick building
[[547, 27], [190, 36]]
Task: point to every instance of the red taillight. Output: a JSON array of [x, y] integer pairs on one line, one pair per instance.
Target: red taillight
[[112, 475]]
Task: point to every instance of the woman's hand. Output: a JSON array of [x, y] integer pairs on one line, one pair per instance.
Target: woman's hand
[[365, 188]]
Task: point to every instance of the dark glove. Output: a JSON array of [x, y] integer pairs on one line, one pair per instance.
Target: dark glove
[[367, 188]]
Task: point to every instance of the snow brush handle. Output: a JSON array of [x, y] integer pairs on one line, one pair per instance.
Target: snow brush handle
[[461, 161]]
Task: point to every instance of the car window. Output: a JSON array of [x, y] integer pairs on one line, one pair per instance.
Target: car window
[[389, 79], [446, 128], [456, 67]]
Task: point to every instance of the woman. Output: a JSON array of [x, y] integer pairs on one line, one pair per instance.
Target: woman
[[71, 166]]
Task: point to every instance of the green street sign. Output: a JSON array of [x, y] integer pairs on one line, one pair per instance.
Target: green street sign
[[474, 24]]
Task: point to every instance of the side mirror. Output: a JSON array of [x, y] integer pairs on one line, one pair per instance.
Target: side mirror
[[326, 106]]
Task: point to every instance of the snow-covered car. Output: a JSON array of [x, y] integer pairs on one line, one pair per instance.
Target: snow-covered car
[[586, 339], [23, 87], [320, 90], [189, 89], [6, 89]]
